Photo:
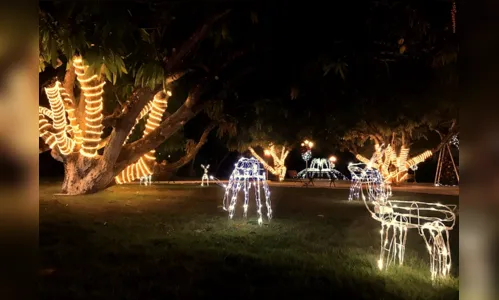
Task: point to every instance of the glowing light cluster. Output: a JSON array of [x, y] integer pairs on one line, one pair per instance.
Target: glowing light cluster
[[321, 167], [307, 155], [147, 180], [455, 141], [393, 167], [63, 142], [143, 167], [205, 176], [92, 89], [248, 172], [279, 168], [433, 221], [371, 179]]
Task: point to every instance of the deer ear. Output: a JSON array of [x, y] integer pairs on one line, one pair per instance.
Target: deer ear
[[202, 166], [207, 166]]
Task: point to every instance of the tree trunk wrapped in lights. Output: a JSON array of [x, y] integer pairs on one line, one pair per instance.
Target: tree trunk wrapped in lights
[[393, 167], [278, 158]]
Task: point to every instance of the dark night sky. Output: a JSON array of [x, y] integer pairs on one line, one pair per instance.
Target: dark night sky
[[293, 33]]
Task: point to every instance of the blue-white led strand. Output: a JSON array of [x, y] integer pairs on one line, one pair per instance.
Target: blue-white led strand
[[248, 172]]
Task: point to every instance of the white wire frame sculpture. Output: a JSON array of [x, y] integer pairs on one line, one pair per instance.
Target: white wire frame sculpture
[[433, 221], [205, 177], [146, 180], [321, 167], [248, 172]]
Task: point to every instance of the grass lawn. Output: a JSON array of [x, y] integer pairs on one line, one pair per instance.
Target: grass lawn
[[175, 242]]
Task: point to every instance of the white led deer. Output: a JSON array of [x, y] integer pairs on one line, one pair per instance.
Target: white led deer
[[433, 221], [146, 180], [205, 175]]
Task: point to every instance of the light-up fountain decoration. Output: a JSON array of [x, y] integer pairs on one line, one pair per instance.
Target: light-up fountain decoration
[[248, 172], [321, 167], [433, 221]]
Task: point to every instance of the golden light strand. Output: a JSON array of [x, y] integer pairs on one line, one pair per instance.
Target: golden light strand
[[92, 90], [73, 122], [64, 143], [143, 167], [142, 114], [44, 127]]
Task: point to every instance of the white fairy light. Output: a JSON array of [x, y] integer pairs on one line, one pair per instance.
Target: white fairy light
[[306, 155], [433, 221], [147, 179], [205, 175], [321, 167], [455, 141], [247, 172]]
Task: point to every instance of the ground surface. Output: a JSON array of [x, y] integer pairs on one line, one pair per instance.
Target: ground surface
[[175, 242]]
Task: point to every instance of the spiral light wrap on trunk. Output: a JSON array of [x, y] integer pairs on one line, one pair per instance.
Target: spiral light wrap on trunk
[[143, 167], [92, 90]]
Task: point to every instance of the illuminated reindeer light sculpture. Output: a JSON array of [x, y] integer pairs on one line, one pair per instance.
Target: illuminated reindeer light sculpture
[[146, 179], [205, 175], [433, 221]]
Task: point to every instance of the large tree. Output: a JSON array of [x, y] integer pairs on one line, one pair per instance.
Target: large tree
[[129, 48]]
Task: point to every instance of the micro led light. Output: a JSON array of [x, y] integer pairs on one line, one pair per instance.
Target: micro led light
[[279, 168], [433, 221], [247, 172]]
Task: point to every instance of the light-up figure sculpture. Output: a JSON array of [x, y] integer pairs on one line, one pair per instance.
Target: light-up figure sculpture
[[205, 176], [248, 172], [321, 167], [147, 179], [306, 153], [433, 221]]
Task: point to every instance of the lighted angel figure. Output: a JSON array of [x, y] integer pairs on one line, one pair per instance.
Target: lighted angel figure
[[433, 221], [248, 172], [205, 176], [146, 179]]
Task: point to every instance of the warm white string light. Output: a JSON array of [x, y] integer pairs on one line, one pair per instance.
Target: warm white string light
[[279, 168], [92, 89], [143, 167], [393, 167], [64, 143], [433, 221], [205, 175], [247, 172], [320, 167]]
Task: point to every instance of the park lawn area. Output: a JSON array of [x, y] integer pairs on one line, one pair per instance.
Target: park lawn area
[[176, 242]]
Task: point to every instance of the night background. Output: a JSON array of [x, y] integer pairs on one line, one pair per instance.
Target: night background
[[345, 75]]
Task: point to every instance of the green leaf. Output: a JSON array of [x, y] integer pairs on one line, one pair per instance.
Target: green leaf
[[145, 35]]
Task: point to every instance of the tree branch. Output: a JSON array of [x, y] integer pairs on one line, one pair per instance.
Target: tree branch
[[166, 168], [187, 47]]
